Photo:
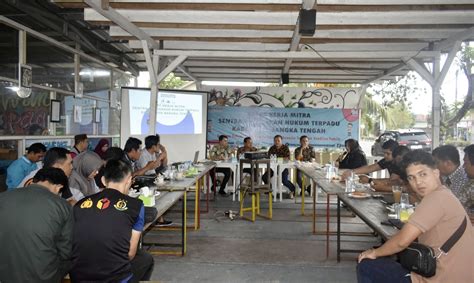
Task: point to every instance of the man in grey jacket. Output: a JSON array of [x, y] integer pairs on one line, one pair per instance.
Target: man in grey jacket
[[36, 233]]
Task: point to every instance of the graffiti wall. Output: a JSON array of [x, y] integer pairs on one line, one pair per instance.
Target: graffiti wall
[[19, 116], [281, 97]]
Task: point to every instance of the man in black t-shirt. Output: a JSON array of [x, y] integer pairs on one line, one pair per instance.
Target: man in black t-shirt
[[107, 230], [386, 163]]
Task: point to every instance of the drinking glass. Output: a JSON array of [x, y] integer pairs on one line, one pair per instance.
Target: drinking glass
[[397, 193], [404, 200], [397, 210]]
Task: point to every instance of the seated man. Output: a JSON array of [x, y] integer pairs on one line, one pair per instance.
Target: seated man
[[305, 152], [248, 147], [452, 173], [23, 166], [81, 143], [58, 157], [436, 218], [396, 173], [219, 152], [107, 230], [467, 191], [36, 233], [386, 163], [133, 152], [281, 151], [154, 152]]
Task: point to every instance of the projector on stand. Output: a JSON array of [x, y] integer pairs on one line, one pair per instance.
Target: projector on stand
[[256, 155]]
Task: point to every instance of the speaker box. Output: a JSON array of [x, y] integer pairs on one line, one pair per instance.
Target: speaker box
[[307, 22], [285, 79]]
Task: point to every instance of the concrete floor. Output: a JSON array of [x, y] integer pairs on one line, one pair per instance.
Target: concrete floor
[[278, 250]]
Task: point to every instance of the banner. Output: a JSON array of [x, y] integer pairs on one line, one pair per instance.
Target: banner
[[324, 127]]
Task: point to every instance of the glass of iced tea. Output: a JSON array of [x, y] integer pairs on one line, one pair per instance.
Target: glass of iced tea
[[397, 193]]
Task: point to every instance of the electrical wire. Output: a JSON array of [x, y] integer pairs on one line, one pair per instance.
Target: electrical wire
[[348, 70]]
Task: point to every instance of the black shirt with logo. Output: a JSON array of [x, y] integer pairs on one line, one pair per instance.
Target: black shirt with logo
[[102, 232]]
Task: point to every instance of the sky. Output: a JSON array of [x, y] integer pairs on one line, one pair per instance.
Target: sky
[[422, 104]]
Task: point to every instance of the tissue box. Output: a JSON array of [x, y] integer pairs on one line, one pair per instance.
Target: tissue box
[[147, 201]]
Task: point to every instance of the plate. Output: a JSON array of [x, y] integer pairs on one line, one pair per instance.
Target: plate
[[359, 195], [133, 194]]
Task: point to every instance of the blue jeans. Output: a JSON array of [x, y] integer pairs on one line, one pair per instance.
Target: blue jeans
[[382, 269]]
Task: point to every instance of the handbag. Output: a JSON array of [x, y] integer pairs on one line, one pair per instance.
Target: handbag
[[421, 259]]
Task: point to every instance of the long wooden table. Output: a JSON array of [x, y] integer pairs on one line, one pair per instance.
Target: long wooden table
[[371, 211], [330, 187], [171, 191], [163, 203]]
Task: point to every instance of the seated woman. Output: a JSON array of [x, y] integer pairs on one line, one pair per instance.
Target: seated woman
[[101, 148], [435, 219], [354, 157], [86, 166]]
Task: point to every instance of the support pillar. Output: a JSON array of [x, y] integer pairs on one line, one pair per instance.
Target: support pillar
[[436, 105]]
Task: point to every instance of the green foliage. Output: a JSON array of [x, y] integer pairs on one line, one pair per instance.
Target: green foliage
[[172, 82], [404, 118], [397, 91], [372, 113]]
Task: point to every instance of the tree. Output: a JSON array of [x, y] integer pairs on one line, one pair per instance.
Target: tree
[[466, 57], [172, 82], [372, 114], [404, 118], [392, 92]]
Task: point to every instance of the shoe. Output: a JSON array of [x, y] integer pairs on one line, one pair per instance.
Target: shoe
[[164, 223], [292, 195], [223, 193]]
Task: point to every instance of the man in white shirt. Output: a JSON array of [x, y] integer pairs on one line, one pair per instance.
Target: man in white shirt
[[154, 151]]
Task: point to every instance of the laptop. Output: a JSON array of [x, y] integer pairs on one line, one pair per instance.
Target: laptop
[[196, 157]]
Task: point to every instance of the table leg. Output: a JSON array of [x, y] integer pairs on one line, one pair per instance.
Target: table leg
[[183, 228], [215, 185], [327, 224], [302, 191], [338, 229], [207, 194], [196, 206], [201, 183], [235, 182], [314, 188]]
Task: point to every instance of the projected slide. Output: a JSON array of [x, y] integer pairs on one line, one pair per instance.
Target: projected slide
[[178, 113], [139, 109]]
